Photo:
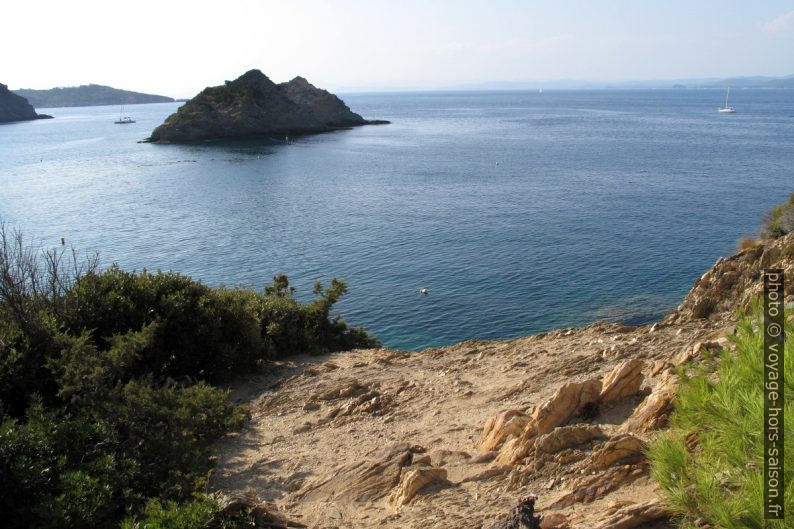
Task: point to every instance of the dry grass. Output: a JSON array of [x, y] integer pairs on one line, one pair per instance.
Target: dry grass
[[746, 243]]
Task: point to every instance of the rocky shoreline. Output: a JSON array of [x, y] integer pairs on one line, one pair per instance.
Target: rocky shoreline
[[253, 106], [16, 108], [456, 437]]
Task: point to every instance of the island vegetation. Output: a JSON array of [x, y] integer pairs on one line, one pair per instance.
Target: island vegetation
[[110, 384], [86, 96]]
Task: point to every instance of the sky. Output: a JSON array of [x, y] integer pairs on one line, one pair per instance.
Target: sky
[[176, 48]]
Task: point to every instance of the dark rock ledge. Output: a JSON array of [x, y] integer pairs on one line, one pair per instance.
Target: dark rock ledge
[[16, 108]]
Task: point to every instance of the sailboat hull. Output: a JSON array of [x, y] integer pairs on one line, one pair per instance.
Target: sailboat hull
[[726, 109]]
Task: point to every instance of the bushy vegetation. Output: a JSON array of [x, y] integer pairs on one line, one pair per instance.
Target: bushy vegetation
[[780, 220], [710, 464], [108, 397]]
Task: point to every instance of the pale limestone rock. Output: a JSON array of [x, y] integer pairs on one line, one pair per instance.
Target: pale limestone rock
[[634, 515], [624, 381], [698, 350], [501, 428], [653, 412], [623, 448], [567, 436], [592, 487], [569, 400], [413, 481], [566, 402], [659, 366], [365, 481]]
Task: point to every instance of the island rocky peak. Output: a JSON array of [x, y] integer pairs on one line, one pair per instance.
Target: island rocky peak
[[16, 108], [254, 106]]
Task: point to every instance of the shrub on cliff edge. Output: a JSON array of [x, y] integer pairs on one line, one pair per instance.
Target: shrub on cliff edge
[[780, 220]]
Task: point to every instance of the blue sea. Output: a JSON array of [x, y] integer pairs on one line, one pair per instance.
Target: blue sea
[[519, 211]]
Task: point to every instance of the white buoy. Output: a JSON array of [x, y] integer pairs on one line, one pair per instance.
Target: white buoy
[[423, 291]]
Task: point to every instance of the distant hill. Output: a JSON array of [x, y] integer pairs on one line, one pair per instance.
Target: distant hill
[[86, 96], [754, 82], [575, 84]]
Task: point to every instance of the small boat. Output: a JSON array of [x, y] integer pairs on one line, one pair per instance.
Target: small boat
[[726, 109], [424, 291], [123, 120]]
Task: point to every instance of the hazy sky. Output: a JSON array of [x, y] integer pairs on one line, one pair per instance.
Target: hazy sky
[[176, 48]]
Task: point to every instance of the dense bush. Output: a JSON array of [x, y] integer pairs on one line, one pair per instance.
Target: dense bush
[[197, 331], [710, 464], [107, 409]]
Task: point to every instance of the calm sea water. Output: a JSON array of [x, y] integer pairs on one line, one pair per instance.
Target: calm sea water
[[603, 205]]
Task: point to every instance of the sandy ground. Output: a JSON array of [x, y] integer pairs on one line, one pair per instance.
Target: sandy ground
[[319, 418]]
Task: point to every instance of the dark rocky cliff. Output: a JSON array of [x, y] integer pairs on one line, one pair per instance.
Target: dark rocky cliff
[[16, 108], [254, 106]]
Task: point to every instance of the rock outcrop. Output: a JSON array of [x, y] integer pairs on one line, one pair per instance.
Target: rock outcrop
[[734, 282], [414, 480], [254, 106], [367, 480], [16, 108]]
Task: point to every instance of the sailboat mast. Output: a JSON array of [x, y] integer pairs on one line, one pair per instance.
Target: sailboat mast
[[726, 97]]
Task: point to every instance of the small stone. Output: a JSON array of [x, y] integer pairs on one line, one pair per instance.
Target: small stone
[[305, 427]]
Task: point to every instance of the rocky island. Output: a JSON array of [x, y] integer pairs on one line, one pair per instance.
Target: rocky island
[[254, 106], [16, 108]]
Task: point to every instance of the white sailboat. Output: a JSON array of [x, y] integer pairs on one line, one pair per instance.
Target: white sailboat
[[123, 120], [726, 109]]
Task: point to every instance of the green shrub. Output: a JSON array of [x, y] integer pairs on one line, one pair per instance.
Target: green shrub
[[289, 327], [106, 408], [201, 332], [197, 514], [780, 220], [720, 482]]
